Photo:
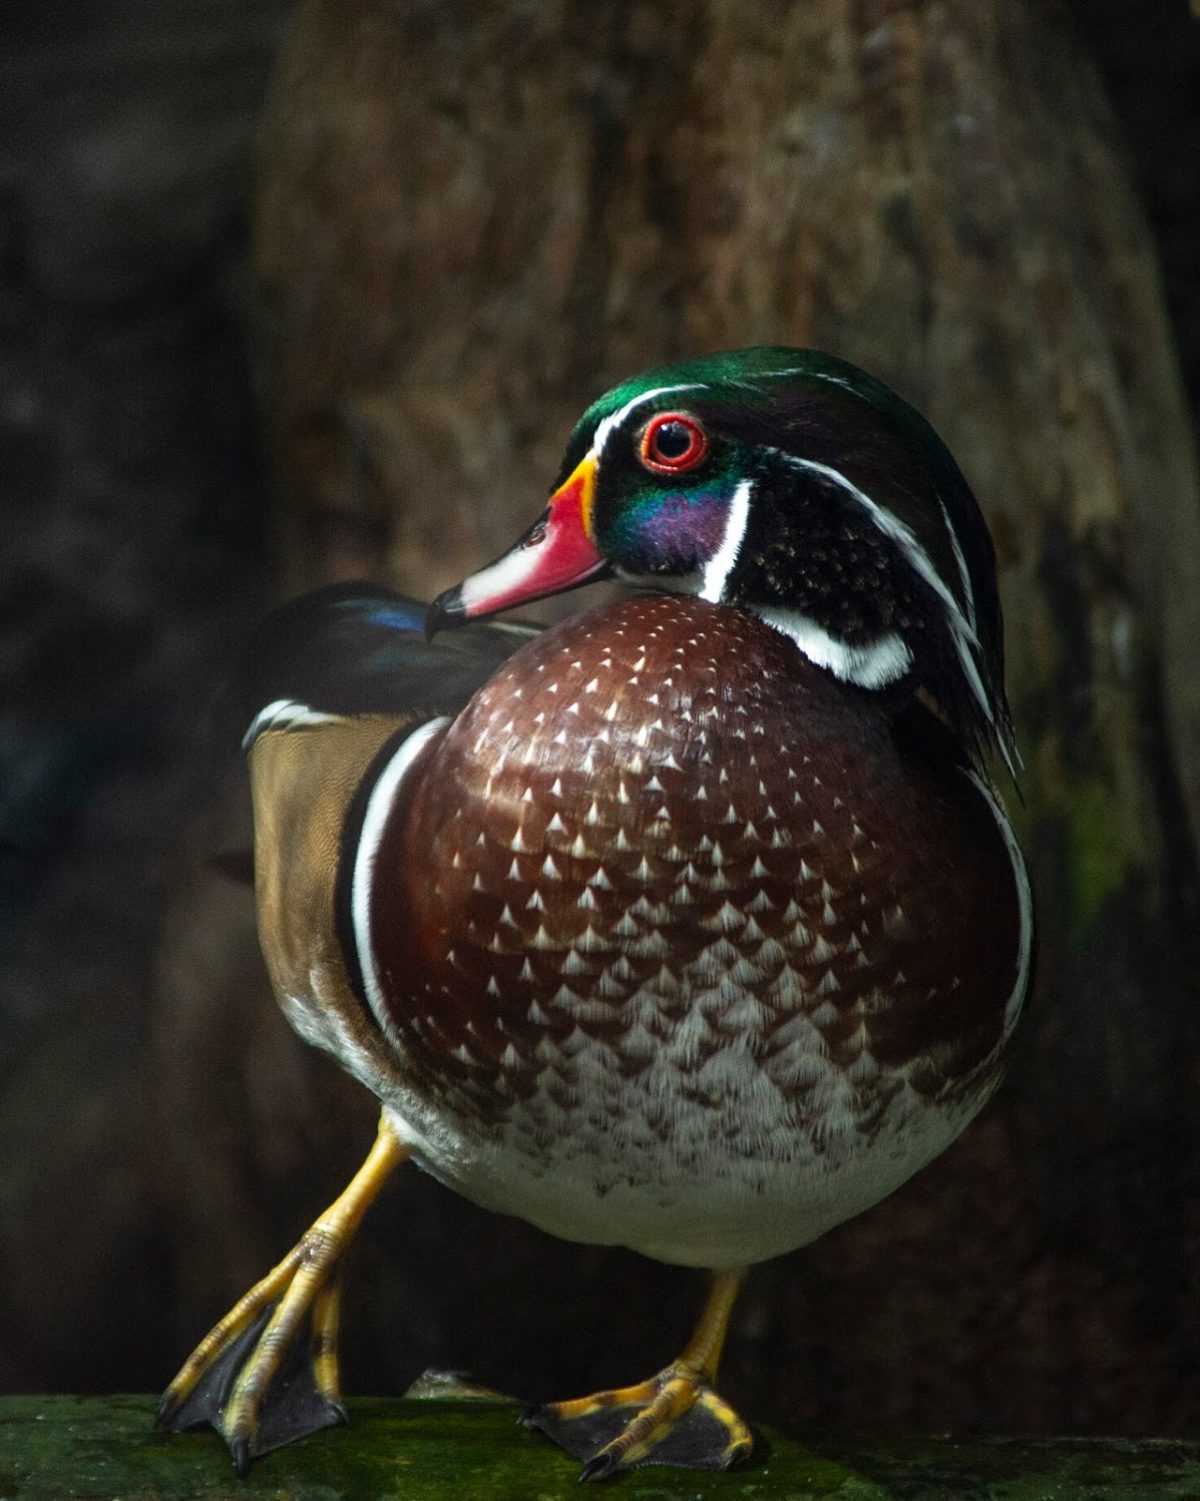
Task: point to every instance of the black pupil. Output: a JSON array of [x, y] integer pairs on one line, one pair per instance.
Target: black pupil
[[672, 440]]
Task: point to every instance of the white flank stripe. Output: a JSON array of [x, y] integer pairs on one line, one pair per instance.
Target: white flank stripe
[[609, 425], [283, 714], [379, 806], [873, 664], [720, 565], [1024, 902]]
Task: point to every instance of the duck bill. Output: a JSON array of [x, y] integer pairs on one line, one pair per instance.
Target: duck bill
[[556, 554]]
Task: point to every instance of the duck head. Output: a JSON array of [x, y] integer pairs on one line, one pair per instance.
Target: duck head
[[792, 485]]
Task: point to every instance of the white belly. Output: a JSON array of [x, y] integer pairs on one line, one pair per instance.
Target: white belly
[[724, 1173]]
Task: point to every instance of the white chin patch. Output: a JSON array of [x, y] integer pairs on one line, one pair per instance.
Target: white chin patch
[[870, 664]]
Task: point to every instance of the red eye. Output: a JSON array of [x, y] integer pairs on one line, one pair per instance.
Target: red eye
[[672, 443]]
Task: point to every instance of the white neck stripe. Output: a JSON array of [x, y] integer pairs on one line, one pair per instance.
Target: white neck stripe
[[720, 565], [871, 664]]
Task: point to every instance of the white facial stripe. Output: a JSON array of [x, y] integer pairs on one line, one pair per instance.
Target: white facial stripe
[[810, 374], [1024, 903], [837, 380], [379, 806], [609, 425], [898, 531], [719, 566], [872, 664], [966, 642], [968, 592]]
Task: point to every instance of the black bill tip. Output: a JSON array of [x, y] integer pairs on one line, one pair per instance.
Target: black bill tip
[[446, 610]]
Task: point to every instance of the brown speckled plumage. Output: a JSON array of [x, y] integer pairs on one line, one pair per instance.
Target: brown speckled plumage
[[661, 868]]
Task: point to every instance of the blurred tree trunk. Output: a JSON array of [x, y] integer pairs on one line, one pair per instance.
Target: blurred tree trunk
[[472, 219]]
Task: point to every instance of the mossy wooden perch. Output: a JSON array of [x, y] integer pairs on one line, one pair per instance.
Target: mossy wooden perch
[[104, 1448]]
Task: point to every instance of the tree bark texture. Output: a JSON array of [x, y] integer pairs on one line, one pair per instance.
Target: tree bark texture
[[472, 219]]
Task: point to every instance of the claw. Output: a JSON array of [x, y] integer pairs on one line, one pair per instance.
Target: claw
[[600, 1466], [240, 1449]]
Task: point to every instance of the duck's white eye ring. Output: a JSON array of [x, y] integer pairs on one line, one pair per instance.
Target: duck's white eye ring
[[673, 443]]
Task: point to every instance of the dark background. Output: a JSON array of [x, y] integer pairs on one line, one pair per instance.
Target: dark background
[[162, 1139]]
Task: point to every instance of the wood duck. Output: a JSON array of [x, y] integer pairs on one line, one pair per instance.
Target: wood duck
[[692, 924]]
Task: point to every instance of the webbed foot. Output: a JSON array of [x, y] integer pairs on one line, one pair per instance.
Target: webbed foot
[[268, 1372], [675, 1418]]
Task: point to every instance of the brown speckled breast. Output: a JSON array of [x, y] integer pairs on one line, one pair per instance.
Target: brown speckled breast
[[662, 860]]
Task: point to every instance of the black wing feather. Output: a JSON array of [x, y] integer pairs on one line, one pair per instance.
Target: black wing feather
[[359, 648]]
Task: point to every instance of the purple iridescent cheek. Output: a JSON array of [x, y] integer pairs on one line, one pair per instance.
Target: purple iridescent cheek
[[681, 530]]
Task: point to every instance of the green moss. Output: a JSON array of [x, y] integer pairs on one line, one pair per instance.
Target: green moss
[[1099, 860], [102, 1448]]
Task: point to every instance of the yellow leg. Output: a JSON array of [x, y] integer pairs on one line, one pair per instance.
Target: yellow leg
[[227, 1385], [680, 1419]]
